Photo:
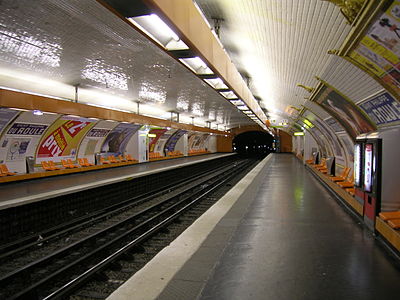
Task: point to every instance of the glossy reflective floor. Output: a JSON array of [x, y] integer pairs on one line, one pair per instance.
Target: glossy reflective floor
[[296, 242]]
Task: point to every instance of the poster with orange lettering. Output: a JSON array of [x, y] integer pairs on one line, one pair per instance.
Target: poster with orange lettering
[[62, 138]]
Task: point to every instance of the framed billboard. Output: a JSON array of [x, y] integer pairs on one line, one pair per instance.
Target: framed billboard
[[349, 115], [376, 47]]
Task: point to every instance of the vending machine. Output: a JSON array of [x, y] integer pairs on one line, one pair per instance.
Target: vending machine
[[372, 178], [358, 168]]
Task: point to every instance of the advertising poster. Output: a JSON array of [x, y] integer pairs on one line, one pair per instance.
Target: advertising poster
[[17, 149], [337, 148], [345, 111], [158, 132], [26, 129], [160, 145], [117, 140], [6, 115], [382, 109], [332, 123], [63, 137], [93, 137], [171, 143], [378, 51], [322, 141], [368, 168], [200, 143], [192, 140], [349, 146]]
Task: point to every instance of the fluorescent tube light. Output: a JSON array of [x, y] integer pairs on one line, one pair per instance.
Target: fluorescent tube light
[[229, 95], [197, 65], [216, 83], [159, 31], [237, 102]]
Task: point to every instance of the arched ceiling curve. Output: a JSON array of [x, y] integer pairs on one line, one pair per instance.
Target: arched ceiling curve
[[279, 44]]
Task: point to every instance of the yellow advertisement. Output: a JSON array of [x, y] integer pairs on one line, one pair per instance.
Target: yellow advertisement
[[379, 50], [63, 138]]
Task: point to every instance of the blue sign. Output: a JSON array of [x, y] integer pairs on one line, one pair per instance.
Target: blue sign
[[382, 109]]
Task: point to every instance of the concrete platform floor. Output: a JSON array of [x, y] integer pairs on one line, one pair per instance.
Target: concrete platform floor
[[283, 236]]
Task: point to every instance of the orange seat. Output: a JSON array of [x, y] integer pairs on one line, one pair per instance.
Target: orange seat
[[113, 159], [49, 167], [341, 177], [389, 215], [87, 163], [121, 158], [394, 223], [53, 165], [104, 161], [66, 164], [346, 184], [69, 161], [4, 171], [128, 157]]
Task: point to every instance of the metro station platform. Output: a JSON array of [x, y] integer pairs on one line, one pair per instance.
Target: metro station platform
[[21, 193], [278, 234]]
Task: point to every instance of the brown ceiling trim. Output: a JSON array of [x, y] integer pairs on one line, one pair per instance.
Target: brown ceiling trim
[[13, 99], [189, 23]]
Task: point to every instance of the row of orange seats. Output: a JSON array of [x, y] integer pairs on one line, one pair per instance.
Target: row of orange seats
[[344, 180], [174, 153], [111, 159], [66, 163], [155, 155], [197, 151]]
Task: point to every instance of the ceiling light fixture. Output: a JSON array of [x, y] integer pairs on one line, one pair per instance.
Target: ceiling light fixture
[[37, 112], [237, 102], [196, 65], [159, 31], [229, 95], [216, 83]]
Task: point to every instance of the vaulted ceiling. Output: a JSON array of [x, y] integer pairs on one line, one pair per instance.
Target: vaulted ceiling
[[280, 43]]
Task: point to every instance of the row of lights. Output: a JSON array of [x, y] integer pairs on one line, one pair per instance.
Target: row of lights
[[158, 31]]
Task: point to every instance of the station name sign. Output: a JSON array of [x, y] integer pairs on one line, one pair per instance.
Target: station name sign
[[26, 129], [382, 109]]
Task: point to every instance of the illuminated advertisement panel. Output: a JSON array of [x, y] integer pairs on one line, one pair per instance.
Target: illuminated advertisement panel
[[368, 167], [357, 164]]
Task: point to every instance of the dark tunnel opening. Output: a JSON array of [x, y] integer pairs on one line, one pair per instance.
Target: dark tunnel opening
[[254, 143]]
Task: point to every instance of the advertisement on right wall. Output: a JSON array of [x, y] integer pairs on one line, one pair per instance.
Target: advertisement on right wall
[[378, 51]]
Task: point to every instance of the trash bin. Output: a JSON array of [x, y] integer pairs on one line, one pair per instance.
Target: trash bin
[[30, 164], [97, 157]]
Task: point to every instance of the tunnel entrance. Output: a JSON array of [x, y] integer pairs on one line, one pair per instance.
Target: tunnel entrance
[[253, 143]]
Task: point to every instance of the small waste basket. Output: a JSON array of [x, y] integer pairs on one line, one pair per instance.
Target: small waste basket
[[30, 164]]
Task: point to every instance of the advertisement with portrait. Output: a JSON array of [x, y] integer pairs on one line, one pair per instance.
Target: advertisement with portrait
[[62, 138], [346, 112], [383, 109], [378, 51], [118, 138]]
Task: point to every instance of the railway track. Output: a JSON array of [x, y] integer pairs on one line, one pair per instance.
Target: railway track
[[64, 260]]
